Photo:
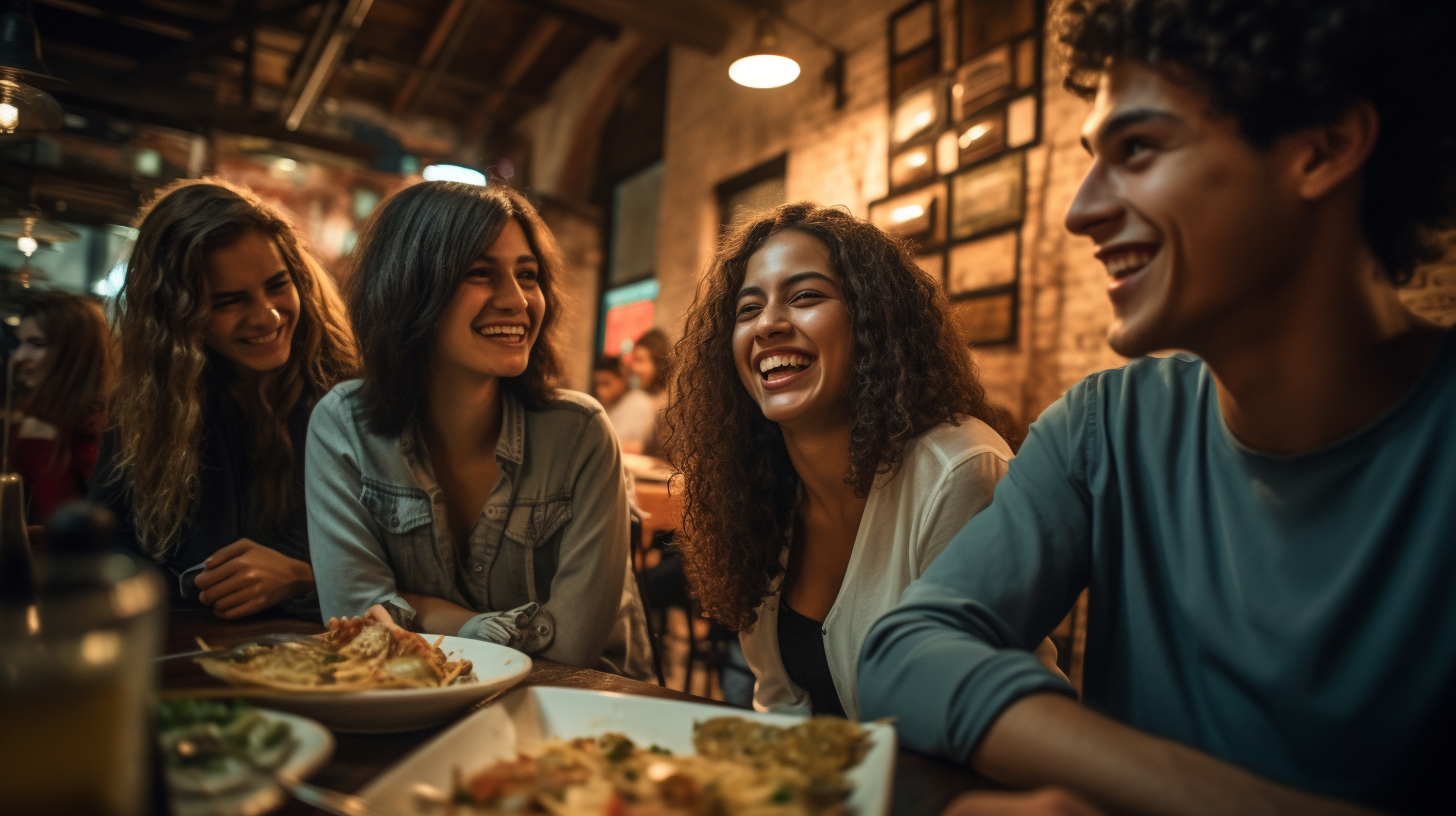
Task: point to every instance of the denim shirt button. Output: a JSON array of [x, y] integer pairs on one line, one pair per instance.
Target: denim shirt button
[[394, 519], [476, 568], [543, 629]]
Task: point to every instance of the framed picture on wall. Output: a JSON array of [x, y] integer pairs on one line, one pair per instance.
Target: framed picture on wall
[[985, 79], [983, 263], [981, 137], [918, 215], [912, 165], [934, 265], [920, 113], [1022, 121], [988, 196], [984, 23], [1025, 63], [914, 46], [987, 319]]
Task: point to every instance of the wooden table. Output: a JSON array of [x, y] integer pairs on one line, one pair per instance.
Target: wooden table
[[923, 785]]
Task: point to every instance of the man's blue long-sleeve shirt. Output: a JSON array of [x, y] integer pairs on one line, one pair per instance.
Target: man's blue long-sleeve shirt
[[1293, 615]]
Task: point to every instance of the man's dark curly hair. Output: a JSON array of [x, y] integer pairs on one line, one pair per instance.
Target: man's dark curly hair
[[1277, 66], [912, 371]]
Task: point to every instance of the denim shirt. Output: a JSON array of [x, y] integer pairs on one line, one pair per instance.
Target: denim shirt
[[546, 564]]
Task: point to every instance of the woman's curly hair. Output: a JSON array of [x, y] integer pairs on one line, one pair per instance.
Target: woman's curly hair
[[912, 371], [1278, 66]]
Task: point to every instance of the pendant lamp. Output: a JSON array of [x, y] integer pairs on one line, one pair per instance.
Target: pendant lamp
[[24, 108]]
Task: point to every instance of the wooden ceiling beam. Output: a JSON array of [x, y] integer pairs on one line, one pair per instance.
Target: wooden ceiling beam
[[216, 39], [446, 54], [517, 66], [411, 85], [680, 21]]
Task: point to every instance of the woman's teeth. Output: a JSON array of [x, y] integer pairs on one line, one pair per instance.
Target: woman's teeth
[[510, 330], [768, 364], [1122, 264], [267, 338]]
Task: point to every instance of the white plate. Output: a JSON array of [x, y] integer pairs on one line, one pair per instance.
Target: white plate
[[388, 711], [523, 719], [313, 747]]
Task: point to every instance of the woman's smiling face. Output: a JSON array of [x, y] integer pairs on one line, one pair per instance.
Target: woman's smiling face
[[793, 343], [492, 322]]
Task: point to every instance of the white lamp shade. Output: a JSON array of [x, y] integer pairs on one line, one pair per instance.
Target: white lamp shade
[[764, 71]]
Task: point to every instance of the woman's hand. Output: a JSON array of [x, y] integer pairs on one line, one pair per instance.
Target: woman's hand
[[437, 616], [246, 577], [378, 614]]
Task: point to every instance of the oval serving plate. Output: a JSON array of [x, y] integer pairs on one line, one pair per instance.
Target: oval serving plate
[[313, 747], [387, 711]]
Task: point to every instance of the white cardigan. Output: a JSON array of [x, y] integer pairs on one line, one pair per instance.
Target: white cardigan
[[946, 477]]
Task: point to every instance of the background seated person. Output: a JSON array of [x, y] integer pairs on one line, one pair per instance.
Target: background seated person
[[453, 489], [230, 333], [1268, 532], [832, 435], [631, 411], [65, 369]]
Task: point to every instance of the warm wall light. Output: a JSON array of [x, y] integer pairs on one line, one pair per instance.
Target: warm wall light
[[970, 136], [765, 66], [453, 172]]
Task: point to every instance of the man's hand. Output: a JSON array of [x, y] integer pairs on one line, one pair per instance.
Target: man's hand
[[1044, 802], [246, 577]]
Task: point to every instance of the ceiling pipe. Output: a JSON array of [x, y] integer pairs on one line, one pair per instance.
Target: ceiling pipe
[[328, 61]]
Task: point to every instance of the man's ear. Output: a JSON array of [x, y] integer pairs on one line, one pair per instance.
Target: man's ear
[[1332, 153]]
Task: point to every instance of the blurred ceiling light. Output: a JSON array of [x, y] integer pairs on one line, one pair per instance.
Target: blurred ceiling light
[[27, 245], [764, 66], [900, 215], [30, 229], [454, 172], [22, 106]]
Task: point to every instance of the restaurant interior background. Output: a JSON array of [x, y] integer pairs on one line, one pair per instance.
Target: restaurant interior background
[[943, 120]]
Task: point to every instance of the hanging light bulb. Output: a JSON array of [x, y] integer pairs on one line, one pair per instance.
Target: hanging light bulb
[[27, 245], [764, 66], [23, 107]]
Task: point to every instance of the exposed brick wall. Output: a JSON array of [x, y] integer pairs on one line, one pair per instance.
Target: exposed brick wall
[[716, 130]]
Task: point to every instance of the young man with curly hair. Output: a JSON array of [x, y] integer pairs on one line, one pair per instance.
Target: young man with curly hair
[[1267, 530]]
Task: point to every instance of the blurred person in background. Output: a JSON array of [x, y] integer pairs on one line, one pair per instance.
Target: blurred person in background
[[638, 420], [454, 489], [230, 333], [631, 410], [65, 370], [833, 436]]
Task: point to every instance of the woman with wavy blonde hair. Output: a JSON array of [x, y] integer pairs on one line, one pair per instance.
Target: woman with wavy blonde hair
[[230, 333]]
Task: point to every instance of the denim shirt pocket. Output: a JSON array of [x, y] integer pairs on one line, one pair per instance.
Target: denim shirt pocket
[[535, 525], [533, 532], [404, 519]]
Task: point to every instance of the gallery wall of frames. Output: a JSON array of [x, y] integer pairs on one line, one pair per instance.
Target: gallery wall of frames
[[957, 147]]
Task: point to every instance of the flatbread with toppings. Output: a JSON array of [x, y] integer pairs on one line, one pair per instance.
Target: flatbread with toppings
[[742, 767], [353, 655]]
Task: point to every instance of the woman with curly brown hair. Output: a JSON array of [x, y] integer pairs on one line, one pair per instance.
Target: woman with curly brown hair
[[230, 333], [832, 436]]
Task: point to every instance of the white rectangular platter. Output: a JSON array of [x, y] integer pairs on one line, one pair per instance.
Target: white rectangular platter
[[522, 719]]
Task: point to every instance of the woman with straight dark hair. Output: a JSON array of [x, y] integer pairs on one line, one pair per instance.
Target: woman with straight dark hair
[[454, 490], [64, 364], [833, 436], [230, 333]]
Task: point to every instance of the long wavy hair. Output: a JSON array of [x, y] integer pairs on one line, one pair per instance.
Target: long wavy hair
[[171, 375], [79, 370], [413, 254], [912, 370]]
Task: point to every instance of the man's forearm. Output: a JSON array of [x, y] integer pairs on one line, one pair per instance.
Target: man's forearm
[[1047, 739]]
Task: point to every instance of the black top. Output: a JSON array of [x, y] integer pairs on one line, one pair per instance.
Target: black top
[[801, 647], [222, 513]]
